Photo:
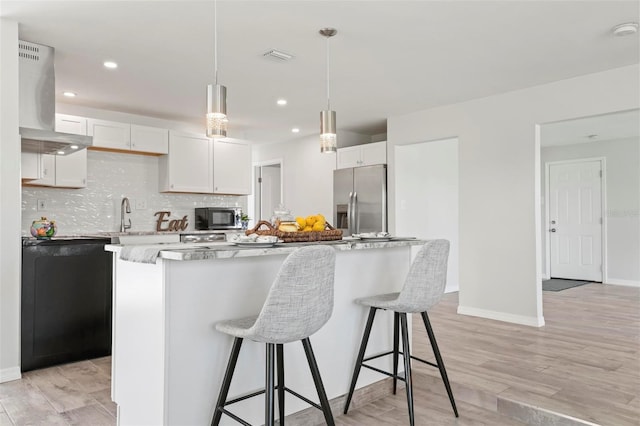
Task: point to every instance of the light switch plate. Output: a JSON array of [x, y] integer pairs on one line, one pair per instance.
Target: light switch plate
[[42, 205]]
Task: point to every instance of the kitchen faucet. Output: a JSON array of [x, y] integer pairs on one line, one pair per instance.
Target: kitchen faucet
[[124, 207]]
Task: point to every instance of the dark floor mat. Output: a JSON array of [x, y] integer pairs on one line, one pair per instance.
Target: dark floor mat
[[558, 284]]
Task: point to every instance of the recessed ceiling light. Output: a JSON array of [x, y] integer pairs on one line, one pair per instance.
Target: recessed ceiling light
[[281, 102], [110, 65], [69, 94], [74, 147], [628, 28], [60, 152], [295, 130]]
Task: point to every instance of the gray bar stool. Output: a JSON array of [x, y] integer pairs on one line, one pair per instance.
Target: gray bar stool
[[423, 288], [299, 303]]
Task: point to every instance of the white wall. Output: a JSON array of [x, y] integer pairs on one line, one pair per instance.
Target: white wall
[[622, 181], [500, 181], [10, 249], [427, 196], [307, 184]]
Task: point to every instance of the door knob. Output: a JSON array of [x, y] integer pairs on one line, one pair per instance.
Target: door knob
[[552, 230]]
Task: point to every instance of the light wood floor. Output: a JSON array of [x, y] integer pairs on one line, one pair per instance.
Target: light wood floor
[[584, 363]]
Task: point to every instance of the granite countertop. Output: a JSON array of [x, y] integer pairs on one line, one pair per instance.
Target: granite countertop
[[223, 250]]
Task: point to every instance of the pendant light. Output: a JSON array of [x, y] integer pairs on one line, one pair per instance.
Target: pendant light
[[216, 93], [328, 140]]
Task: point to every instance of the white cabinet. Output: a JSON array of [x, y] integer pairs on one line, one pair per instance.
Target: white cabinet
[[30, 166], [47, 170], [362, 155], [189, 165], [68, 171], [231, 167], [109, 134], [149, 139], [71, 124], [71, 169]]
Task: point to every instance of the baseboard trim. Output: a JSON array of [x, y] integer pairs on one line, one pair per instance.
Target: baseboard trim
[[544, 276], [626, 283], [10, 374], [501, 316]]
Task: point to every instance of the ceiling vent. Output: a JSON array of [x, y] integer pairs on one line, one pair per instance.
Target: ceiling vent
[[278, 55]]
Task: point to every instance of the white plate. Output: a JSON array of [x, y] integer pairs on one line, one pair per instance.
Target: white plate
[[254, 244]]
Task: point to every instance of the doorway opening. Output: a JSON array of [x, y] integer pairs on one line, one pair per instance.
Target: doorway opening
[[268, 184]]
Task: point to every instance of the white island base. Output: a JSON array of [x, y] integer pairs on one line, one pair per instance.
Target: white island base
[[169, 361]]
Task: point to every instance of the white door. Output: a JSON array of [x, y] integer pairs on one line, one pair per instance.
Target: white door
[[268, 194], [575, 220]]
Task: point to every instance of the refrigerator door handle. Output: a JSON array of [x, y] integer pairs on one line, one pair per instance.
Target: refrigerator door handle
[[356, 225], [350, 214]]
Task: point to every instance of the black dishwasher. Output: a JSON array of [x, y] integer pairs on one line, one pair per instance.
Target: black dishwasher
[[66, 301]]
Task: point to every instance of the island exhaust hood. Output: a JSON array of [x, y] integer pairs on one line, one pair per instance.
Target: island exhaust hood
[[38, 104]]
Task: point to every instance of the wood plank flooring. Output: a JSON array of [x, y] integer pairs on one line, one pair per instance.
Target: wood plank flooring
[[585, 363]]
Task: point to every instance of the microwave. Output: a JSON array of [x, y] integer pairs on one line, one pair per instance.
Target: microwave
[[208, 218]]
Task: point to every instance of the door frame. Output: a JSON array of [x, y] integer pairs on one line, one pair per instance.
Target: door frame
[[603, 207], [252, 205]]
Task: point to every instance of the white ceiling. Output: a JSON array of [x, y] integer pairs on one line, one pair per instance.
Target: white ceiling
[[607, 127], [388, 58]]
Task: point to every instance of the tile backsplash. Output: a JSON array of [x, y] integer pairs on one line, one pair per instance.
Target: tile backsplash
[[110, 177]]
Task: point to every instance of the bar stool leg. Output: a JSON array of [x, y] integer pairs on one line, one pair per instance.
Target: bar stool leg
[[363, 348], [395, 351], [407, 365], [268, 400], [315, 373], [439, 361], [226, 382], [280, 357]]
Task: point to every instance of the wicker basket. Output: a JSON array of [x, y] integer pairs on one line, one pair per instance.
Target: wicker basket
[[265, 228]]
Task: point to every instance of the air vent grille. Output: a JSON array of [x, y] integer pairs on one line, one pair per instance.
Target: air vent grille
[[278, 54], [29, 51]]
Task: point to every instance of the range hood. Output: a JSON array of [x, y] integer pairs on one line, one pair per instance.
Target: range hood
[[38, 104]]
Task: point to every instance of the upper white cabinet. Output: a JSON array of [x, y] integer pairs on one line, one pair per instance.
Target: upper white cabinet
[[149, 139], [362, 155], [68, 171], [71, 170], [189, 165], [110, 135], [231, 167], [71, 124]]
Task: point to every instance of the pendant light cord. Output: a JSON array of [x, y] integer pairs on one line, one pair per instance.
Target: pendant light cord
[[215, 40], [328, 80]]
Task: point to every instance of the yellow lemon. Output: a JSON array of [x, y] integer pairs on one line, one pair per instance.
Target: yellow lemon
[[310, 220], [307, 229], [302, 222], [318, 226], [320, 218]]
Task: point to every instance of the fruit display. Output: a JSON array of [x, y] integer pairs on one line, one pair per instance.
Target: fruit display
[[304, 224]]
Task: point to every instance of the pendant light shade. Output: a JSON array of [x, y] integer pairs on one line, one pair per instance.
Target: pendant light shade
[[328, 138], [216, 93], [216, 111]]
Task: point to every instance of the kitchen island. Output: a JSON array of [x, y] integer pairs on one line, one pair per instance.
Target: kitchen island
[[168, 359]]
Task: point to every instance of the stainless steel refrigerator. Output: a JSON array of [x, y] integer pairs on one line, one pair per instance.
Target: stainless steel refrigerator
[[360, 199]]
